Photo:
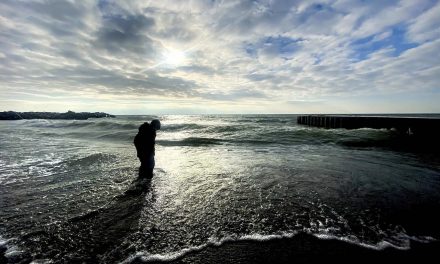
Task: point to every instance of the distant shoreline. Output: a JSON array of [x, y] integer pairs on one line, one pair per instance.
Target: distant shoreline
[[69, 115]]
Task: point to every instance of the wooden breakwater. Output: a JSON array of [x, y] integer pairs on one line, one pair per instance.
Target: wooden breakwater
[[409, 125]]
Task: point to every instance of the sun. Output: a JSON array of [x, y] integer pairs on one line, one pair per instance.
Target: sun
[[174, 57]]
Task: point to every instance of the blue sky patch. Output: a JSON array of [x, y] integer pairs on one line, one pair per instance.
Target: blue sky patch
[[278, 46], [364, 47]]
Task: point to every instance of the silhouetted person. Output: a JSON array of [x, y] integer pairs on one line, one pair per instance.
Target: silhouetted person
[[144, 142]]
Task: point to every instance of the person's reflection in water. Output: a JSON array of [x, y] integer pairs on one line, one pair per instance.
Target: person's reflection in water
[[144, 142]]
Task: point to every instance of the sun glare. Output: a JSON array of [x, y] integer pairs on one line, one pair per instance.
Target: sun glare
[[174, 57]]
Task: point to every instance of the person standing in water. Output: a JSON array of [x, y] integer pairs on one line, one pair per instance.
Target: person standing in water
[[144, 142]]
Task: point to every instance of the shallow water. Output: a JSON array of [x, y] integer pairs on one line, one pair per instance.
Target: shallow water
[[69, 189]]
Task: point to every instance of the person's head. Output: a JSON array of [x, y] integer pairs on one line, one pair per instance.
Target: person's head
[[144, 127], [155, 124]]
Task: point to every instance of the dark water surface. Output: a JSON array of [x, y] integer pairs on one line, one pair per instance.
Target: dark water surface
[[69, 189]]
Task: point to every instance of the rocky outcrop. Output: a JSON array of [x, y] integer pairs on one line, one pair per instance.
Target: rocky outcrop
[[70, 115]]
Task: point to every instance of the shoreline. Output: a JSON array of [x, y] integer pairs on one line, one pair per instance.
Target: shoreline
[[301, 248]]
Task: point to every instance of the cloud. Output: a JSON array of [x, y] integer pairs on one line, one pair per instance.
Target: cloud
[[267, 51], [125, 33], [425, 27]]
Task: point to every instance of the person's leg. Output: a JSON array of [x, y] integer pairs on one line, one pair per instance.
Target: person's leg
[[150, 165], [147, 167], [143, 170]]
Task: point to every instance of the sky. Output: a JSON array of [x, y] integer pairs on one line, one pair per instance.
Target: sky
[[232, 57]]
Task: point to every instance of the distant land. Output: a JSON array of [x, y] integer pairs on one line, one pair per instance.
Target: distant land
[[70, 115]]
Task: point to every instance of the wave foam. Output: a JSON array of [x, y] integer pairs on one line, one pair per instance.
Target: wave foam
[[146, 257], [10, 251]]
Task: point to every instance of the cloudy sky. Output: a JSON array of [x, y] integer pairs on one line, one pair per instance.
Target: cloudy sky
[[206, 56]]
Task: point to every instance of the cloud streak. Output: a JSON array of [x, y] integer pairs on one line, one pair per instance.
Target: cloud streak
[[271, 53]]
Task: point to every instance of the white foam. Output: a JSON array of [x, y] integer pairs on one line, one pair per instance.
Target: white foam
[[41, 261], [381, 245], [144, 256], [147, 257], [3, 241], [12, 251], [258, 237]]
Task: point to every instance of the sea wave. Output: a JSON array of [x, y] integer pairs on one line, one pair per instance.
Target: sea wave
[[117, 136], [182, 127], [260, 131], [9, 251], [191, 141], [227, 129], [77, 124], [91, 159], [146, 257], [284, 136]]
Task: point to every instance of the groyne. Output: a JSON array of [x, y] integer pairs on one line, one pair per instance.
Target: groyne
[[410, 125]]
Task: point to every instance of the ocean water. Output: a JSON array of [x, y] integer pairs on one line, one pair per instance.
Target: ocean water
[[69, 190]]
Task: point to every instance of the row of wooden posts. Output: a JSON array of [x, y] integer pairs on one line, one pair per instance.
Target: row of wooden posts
[[410, 125]]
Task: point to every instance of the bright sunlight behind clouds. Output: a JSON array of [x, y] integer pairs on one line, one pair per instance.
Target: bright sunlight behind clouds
[[137, 57]]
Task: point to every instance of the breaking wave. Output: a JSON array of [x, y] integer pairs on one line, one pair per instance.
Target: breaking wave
[[147, 257]]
